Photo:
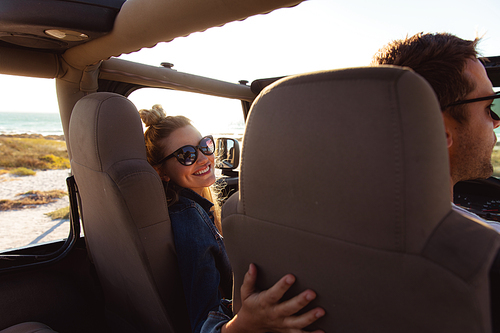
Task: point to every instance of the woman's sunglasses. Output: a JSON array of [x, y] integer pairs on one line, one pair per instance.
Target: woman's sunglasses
[[187, 155], [494, 107]]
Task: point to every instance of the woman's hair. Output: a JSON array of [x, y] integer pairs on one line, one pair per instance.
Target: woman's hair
[[160, 126], [440, 59]]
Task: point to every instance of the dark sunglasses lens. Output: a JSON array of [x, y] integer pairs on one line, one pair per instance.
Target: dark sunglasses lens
[[207, 146], [187, 155], [495, 109]]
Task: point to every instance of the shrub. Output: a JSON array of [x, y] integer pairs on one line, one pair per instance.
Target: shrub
[[62, 214], [32, 199], [22, 171], [55, 162], [495, 160], [33, 153]]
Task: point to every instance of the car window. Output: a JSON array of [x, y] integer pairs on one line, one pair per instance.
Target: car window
[[495, 156], [34, 165], [210, 115]]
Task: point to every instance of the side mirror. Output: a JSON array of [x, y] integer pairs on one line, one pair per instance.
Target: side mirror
[[227, 154]]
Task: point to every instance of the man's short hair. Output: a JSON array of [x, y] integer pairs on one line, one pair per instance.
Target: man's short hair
[[441, 59]]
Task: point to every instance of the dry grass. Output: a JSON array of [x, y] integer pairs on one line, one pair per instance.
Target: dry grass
[[31, 199], [495, 160], [22, 171], [60, 214], [33, 153]]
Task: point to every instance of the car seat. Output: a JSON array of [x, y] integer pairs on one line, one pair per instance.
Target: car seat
[[345, 183], [28, 327], [125, 217]]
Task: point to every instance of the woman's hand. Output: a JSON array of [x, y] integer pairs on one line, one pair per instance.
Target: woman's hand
[[262, 312]]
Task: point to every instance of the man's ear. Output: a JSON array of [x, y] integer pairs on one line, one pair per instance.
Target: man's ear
[[449, 138], [447, 128]]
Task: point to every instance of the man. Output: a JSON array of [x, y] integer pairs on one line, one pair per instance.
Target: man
[[465, 94]]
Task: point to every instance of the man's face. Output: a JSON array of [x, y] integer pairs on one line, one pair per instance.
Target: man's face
[[474, 139]]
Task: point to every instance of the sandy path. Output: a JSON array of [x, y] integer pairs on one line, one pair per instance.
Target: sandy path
[[21, 227]]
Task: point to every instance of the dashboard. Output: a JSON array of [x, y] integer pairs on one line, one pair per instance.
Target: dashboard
[[481, 197]]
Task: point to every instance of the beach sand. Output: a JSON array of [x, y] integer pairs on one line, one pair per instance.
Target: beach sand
[[28, 226]]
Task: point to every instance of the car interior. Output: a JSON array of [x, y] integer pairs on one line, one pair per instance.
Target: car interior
[[364, 231]]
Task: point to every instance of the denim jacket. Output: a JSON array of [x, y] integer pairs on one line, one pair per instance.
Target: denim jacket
[[203, 263]]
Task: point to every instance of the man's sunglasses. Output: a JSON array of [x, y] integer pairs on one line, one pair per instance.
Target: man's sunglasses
[[187, 155], [494, 107]]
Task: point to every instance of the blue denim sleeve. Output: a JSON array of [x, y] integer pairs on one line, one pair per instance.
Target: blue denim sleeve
[[198, 244], [216, 319]]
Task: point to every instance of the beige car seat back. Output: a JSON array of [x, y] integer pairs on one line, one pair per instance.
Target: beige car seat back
[[125, 217], [345, 183]]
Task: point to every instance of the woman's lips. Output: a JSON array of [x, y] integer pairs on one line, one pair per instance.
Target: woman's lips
[[203, 171]]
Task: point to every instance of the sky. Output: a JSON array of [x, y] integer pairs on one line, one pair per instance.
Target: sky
[[315, 35]]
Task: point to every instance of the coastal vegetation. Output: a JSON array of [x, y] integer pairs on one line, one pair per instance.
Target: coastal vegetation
[[60, 214], [495, 161], [31, 199], [32, 153], [22, 171], [24, 155]]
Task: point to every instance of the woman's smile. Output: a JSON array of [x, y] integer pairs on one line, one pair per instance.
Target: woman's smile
[[203, 171]]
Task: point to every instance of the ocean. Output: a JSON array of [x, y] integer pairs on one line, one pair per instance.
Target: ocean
[[30, 123], [50, 124]]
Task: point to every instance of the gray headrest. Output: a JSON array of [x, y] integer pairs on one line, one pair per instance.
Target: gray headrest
[[117, 131], [339, 152]]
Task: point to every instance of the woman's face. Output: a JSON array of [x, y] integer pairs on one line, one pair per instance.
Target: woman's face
[[196, 176]]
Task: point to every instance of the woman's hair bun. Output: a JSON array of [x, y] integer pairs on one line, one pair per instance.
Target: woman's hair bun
[[153, 116]]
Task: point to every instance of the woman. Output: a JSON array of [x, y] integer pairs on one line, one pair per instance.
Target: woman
[[185, 162]]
